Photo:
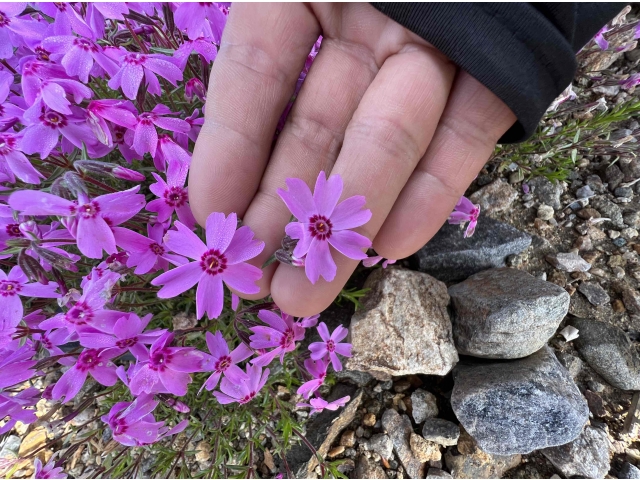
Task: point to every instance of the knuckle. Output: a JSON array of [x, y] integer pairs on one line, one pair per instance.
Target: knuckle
[[387, 135], [316, 136], [254, 61]]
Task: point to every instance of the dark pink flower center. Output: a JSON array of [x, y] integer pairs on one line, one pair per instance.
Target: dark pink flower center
[[118, 426], [9, 288], [46, 343], [247, 398], [175, 196], [156, 249], [158, 361], [320, 227], [287, 338], [331, 346], [60, 6], [129, 342], [135, 59], [79, 314], [4, 20], [42, 54], [89, 210], [88, 360], [13, 230], [53, 120], [213, 262], [222, 364], [7, 144], [85, 45]]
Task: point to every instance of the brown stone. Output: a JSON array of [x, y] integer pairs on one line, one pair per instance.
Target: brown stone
[[268, 461], [33, 441], [424, 450], [369, 420], [495, 197], [334, 452], [399, 429], [588, 213], [474, 463], [618, 306], [348, 438]]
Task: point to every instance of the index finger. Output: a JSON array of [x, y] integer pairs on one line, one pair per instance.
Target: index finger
[[263, 50]]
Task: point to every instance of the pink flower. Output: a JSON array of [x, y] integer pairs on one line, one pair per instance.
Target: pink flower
[[318, 371], [17, 408], [166, 369], [330, 345], [244, 389], [145, 138], [203, 19], [194, 88], [120, 112], [49, 470], [13, 163], [322, 221], [66, 19], [13, 286], [146, 253], [463, 212], [125, 334], [92, 218], [172, 158], [200, 45], [133, 424], [318, 404], [281, 335], [8, 12], [222, 361], [16, 366], [89, 309], [600, 40], [173, 198], [136, 66], [90, 361], [371, 261], [195, 122], [222, 259]]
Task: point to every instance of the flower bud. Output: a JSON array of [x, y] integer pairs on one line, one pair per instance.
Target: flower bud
[[127, 174], [32, 268], [194, 88]]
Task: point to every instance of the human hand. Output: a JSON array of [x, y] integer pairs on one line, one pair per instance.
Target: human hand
[[380, 106]]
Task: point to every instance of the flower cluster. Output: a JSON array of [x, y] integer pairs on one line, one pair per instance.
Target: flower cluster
[[100, 106]]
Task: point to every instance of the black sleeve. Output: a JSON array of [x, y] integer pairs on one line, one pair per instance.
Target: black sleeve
[[522, 52]]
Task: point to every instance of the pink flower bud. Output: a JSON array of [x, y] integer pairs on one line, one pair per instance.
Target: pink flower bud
[[194, 87], [127, 174]]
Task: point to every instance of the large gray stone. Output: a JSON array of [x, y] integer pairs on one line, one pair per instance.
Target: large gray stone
[[586, 457], [546, 191], [609, 351], [399, 429], [403, 327], [424, 405], [450, 257], [505, 313], [518, 406], [495, 197], [629, 471]]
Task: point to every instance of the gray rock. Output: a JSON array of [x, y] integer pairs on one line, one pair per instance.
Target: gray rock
[[629, 471], [450, 257], [613, 176], [354, 376], [547, 192], [568, 262], [595, 293], [571, 363], [381, 444], [441, 431], [367, 468], [424, 405], [437, 473], [399, 429], [495, 197], [585, 457], [545, 212], [632, 219], [10, 447], [609, 351], [471, 462], [403, 327], [585, 192], [609, 210], [505, 313], [631, 170], [623, 192], [595, 183], [518, 406], [630, 298]]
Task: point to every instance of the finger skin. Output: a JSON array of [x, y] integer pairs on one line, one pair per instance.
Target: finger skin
[[389, 133], [471, 125], [311, 139], [263, 50]]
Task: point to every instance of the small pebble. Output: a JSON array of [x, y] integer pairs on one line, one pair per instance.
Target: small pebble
[[585, 192], [624, 192], [629, 233], [619, 242], [613, 234], [348, 438], [618, 306], [618, 272], [545, 212], [334, 452], [369, 420]]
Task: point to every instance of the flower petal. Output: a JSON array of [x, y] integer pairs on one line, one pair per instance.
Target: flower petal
[[350, 244], [298, 199], [327, 193], [242, 277], [349, 213], [184, 242], [220, 230], [178, 280], [319, 262], [209, 296]]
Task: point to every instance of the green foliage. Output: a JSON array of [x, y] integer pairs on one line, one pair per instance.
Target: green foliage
[[566, 136], [352, 295]]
